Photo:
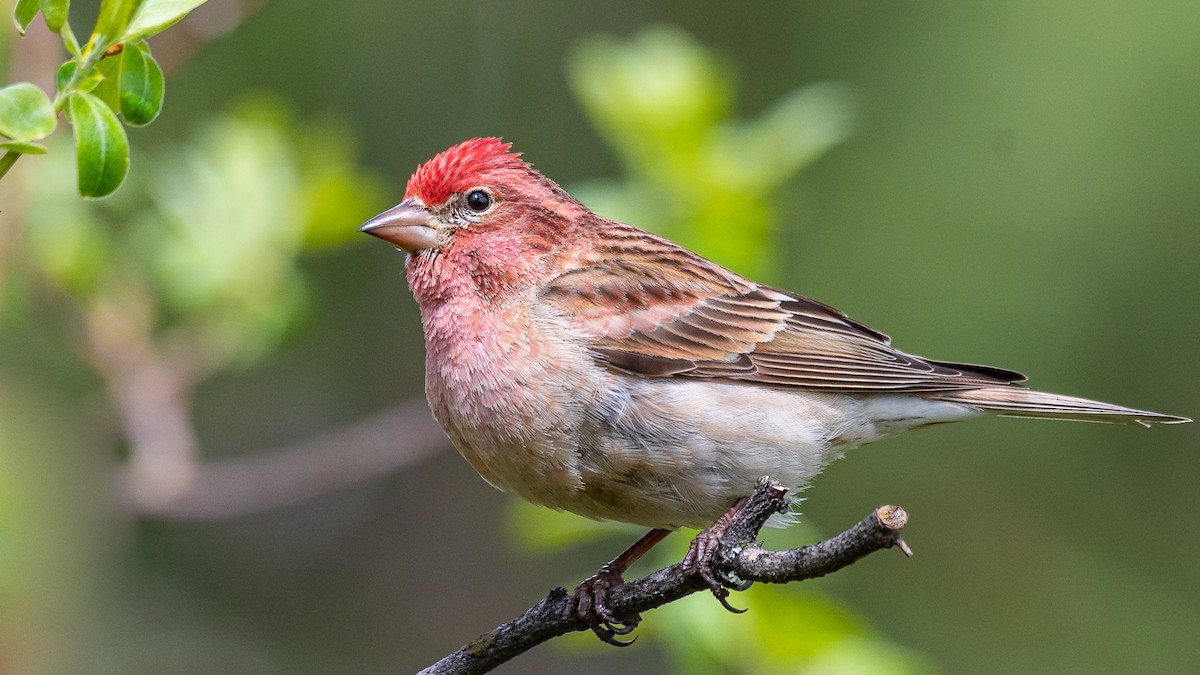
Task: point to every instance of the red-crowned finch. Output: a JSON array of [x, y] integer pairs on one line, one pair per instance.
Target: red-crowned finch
[[590, 366]]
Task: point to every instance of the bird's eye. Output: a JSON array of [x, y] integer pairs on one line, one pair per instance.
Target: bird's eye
[[478, 200]]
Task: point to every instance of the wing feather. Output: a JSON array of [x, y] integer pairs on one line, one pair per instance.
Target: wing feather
[[650, 307]]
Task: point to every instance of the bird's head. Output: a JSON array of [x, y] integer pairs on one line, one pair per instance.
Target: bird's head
[[475, 187]]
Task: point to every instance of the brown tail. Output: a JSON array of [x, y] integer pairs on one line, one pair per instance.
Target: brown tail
[[1012, 401]]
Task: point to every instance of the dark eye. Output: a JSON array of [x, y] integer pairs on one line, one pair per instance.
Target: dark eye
[[478, 200]]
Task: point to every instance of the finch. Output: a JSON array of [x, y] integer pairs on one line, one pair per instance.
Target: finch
[[589, 366]]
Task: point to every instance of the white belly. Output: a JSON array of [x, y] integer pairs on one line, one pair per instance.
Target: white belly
[[677, 452]]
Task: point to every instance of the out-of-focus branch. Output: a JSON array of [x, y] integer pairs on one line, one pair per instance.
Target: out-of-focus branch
[[736, 557], [166, 475], [369, 448], [152, 396]]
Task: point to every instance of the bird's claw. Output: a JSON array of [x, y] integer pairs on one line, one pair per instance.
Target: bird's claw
[[621, 629], [589, 606], [698, 562], [720, 589], [722, 596]]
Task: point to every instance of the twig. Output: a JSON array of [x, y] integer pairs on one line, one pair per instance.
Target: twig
[[167, 476], [737, 556], [370, 448], [7, 161]]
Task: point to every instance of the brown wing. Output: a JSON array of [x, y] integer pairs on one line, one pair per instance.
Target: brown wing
[[655, 309]]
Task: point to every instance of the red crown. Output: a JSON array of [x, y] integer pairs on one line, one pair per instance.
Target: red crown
[[459, 168]]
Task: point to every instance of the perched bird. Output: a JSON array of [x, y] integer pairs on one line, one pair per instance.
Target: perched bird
[[590, 366]]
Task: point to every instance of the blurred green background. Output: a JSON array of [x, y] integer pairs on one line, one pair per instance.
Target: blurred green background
[[1013, 184]]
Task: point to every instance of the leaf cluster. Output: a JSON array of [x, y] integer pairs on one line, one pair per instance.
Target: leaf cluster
[[204, 245], [694, 172], [109, 81]]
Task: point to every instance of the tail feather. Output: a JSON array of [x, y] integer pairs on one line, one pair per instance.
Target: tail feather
[[1012, 401]]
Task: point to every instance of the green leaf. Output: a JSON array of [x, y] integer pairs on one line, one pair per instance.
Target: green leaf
[[55, 12], [24, 147], [141, 85], [25, 112], [63, 77], [114, 19], [23, 14], [155, 16], [101, 148], [109, 87], [90, 82]]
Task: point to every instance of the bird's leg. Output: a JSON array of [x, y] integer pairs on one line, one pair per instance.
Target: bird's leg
[[698, 560], [589, 602]]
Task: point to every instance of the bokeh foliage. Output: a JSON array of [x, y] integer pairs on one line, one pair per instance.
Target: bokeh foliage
[[210, 240], [694, 173]]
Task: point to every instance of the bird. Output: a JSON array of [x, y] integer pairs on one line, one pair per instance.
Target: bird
[[590, 366]]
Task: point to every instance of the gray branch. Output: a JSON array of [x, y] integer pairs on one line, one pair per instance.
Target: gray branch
[[228, 488], [736, 557]]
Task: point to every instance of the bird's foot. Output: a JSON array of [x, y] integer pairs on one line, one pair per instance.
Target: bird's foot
[[589, 605], [698, 561]]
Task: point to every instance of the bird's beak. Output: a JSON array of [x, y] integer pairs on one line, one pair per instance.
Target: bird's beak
[[407, 225]]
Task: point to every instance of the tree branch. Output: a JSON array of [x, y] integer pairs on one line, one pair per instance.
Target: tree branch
[[228, 488], [151, 382], [737, 557]]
